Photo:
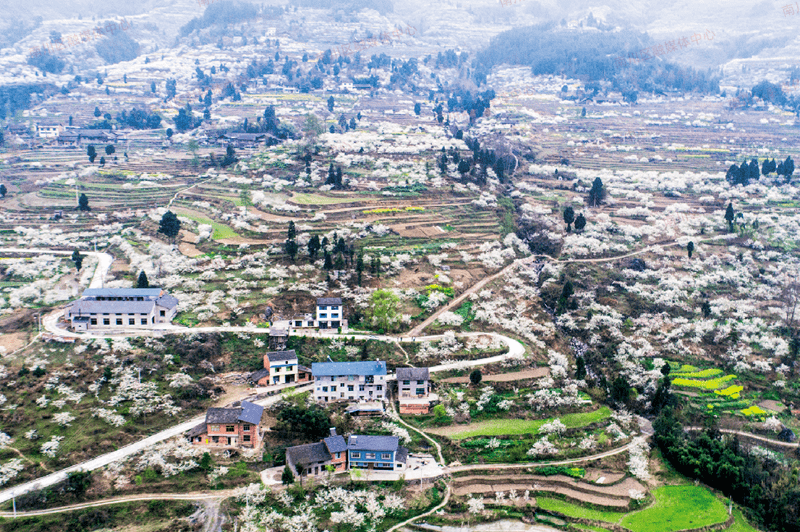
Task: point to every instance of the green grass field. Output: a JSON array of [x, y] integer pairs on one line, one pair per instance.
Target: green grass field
[[220, 230], [574, 510], [498, 427], [677, 508]]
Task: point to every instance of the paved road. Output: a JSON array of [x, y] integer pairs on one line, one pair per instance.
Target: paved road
[[113, 456], [104, 261]]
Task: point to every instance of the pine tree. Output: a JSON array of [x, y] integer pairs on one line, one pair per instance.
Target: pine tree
[[597, 192], [580, 223], [291, 242], [580, 368], [142, 281], [3, 191], [360, 265], [729, 216], [690, 248], [313, 246], [83, 203], [169, 225], [569, 217], [328, 262], [77, 258]]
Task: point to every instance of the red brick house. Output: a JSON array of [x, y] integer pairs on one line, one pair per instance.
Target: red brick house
[[230, 427]]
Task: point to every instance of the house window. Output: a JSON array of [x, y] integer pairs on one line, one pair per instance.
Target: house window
[[215, 439], [333, 388], [386, 456], [93, 321], [338, 455], [324, 388], [323, 316], [298, 324], [355, 455], [131, 321], [379, 387], [333, 378], [334, 307], [370, 456], [361, 387], [246, 427], [230, 428], [288, 368], [213, 428], [163, 313], [334, 316], [246, 438], [420, 391], [369, 379], [406, 383], [350, 388], [420, 383], [119, 321], [144, 321]]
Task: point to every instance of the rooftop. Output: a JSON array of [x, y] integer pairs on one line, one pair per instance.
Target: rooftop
[[278, 356], [122, 292], [412, 374], [90, 306], [248, 412], [329, 301], [335, 444], [308, 453], [373, 443], [376, 367]]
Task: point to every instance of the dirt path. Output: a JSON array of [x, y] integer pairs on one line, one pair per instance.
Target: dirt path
[[751, 436], [192, 496], [505, 377], [606, 454], [429, 512]]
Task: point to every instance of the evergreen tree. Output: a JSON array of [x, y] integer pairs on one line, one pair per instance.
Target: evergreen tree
[[77, 258], [287, 477], [690, 248], [328, 262], [3, 190], [339, 264], [91, 152], [83, 203], [580, 223], [597, 192], [475, 377], [291, 233], [330, 103], [169, 225], [729, 216], [360, 265], [569, 217], [313, 246], [417, 109], [580, 368], [142, 281], [291, 243]]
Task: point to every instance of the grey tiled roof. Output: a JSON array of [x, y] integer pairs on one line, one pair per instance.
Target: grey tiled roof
[[335, 444], [222, 415], [401, 455], [308, 453], [90, 306], [251, 413], [122, 292], [376, 367], [198, 430], [412, 374], [258, 375], [329, 301], [372, 443], [280, 356], [167, 301]]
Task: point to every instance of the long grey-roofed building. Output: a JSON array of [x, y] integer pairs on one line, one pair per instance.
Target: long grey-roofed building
[[109, 308], [349, 381]]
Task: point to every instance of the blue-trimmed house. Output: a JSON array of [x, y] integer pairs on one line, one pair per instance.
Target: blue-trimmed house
[[382, 453]]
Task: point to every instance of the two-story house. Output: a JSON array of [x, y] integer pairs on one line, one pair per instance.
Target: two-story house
[[281, 367], [413, 390], [330, 312], [376, 452], [109, 308], [313, 458], [349, 381], [230, 427]]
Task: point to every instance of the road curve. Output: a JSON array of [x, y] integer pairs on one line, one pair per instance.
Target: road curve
[[124, 452], [104, 261]]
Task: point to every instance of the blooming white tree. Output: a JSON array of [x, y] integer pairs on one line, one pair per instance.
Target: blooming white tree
[[475, 506], [638, 457], [553, 427], [50, 447]]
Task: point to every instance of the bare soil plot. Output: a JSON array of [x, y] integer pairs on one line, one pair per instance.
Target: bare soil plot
[[534, 373]]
